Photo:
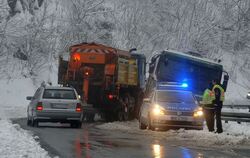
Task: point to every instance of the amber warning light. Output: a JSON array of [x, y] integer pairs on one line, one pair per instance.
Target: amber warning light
[[76, 57]]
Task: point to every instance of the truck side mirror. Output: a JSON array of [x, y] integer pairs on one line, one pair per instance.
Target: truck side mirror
[[225, 82]]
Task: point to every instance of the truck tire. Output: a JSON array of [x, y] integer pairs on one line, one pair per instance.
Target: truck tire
[[90, 117], [141, 125], [120, 115], [109, 116]]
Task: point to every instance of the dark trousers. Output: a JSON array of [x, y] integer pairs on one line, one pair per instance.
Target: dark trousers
[[209, 116], [218, 119]]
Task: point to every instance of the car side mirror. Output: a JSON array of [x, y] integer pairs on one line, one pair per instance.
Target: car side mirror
[[147, 100], [29, 98]]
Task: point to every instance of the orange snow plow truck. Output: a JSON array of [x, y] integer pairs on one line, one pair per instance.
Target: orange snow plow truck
[[110, 80]]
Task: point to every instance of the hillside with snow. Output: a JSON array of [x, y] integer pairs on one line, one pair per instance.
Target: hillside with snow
[[34, 33]]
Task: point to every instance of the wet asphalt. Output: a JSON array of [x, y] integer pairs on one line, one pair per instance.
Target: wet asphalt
[[92, 142]]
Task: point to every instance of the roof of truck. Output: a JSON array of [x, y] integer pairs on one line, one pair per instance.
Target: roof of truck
[[98, 48], [193, 57]]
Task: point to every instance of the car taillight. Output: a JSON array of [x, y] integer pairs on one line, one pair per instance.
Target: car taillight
[[78, 107], [110, 96], [39, 106]]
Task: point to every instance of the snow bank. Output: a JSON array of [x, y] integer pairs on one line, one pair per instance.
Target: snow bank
[[234, 134], [13, 103], [16, 142]]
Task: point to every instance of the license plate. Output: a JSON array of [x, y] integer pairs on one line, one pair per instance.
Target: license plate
[[59, 106], [178, 118]]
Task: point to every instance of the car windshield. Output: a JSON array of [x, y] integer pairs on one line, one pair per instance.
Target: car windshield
[[174, 96], [59, 94]]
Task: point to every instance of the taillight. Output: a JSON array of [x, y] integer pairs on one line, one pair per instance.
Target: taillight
[[39, 106], [78, 107], [110, 96]]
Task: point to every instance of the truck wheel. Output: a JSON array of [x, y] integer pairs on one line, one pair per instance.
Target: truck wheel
[[141, 125], [109, 116], [120, 115], [90, 117], [126, 116]]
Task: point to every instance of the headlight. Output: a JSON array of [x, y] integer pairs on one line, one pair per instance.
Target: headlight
[[198, 113], [157, 110], [248, 94]]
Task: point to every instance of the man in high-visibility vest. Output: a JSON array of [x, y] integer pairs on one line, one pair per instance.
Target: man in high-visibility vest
[[208, 107], [218, 103]]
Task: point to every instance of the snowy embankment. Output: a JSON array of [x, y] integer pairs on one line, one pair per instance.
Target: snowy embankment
[[16, 142], [234, 134], [13, 103]]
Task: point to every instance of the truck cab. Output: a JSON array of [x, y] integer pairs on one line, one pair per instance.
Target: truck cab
[[174, 66]]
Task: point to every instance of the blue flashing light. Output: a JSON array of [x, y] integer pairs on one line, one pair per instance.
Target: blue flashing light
[[172, 86], [184, 85]]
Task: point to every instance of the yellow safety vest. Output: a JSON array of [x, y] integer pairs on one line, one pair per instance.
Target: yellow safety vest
[[222, 92], [208, 97]]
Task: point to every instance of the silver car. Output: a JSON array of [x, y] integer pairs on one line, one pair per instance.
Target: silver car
[[55, 104], [171, 108]]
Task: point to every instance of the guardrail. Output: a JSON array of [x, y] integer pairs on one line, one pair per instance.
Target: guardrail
[[236, 116]]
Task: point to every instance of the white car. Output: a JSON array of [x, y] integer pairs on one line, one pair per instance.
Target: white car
[[171, 108], [55, 104]]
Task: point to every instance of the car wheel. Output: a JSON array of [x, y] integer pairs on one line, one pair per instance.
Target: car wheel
[[79, 124], [73, 125], [35, 123], [28, 121], [76, 124], [142, 125]]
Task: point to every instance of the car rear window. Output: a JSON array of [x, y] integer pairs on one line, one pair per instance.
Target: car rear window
[[175, 96], [59, 94]]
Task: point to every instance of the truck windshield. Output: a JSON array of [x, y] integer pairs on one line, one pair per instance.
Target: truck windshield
[[198, 75], [175, 97], [59, 94]]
